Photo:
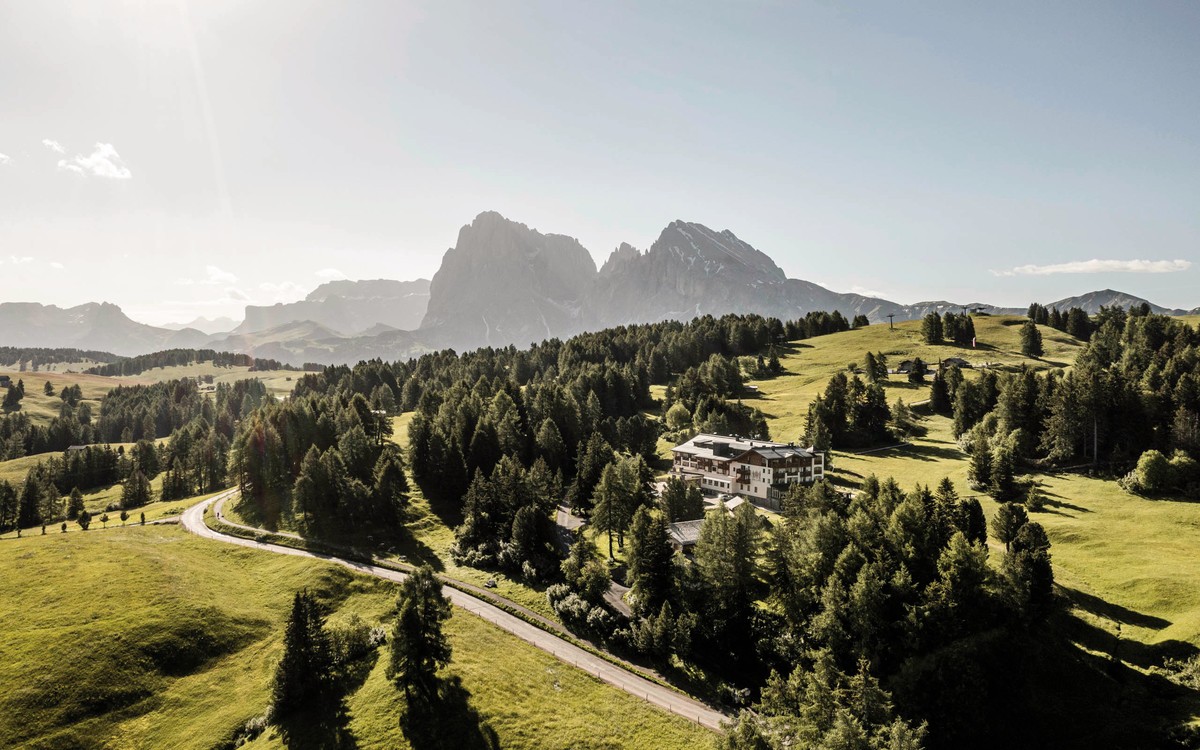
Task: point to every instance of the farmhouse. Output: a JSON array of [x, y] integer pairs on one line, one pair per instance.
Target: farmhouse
[[758, 470], [954, 362]]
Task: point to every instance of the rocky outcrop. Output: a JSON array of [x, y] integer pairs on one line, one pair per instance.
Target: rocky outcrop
[[504, 283]]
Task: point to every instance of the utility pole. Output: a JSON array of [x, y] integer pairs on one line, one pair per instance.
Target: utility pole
[[891, 326]]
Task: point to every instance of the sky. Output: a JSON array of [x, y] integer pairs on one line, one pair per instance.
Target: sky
[[188, 158]]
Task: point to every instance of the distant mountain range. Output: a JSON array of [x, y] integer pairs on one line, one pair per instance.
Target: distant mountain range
[[348, 308], [502, 283], [204, 325], [95, 325]]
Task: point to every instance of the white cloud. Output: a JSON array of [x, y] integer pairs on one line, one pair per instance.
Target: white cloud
[[1095, 265], [330, 274], [54, 146], [4, 159], [56, 264], [213, 276], [218, 276], [20, 259], [104, 161]]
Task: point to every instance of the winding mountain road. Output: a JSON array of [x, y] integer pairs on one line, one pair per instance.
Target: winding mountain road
[[669, 700]]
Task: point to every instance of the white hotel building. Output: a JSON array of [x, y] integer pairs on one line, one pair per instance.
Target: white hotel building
[[755, 469]]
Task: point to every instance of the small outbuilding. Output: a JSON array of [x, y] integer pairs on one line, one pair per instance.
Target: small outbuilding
[[685, 534]]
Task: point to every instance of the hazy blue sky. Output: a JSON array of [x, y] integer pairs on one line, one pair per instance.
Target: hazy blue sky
[[183, 158]]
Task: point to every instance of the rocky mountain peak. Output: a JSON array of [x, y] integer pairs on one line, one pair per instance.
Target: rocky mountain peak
[[504, 283], [710, 252]]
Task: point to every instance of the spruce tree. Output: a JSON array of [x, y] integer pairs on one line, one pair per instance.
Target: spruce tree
[[650, 555], [1007, 521], [939, 395], [302, 679], [931, 328], [74, 504], [1003, 485], [136, 491], [1031, 340], [979, 472], [419, 647]]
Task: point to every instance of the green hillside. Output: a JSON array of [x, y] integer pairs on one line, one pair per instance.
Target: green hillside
[[811, 363], [1129, 565], [147, 638]]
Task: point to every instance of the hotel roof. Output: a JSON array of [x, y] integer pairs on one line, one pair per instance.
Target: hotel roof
[[726, 448]]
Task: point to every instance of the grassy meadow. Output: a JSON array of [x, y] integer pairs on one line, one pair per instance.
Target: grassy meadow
[[810, 363], [1130, 566], [185, 659], [42, 408]]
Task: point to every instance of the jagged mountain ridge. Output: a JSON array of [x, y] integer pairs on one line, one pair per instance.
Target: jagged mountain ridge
[[690, 270], [347, 307], [504, 283]]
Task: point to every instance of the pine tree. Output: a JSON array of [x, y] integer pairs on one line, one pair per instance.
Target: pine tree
[[979, 472], [917, 372], [939, 394], [931, 328], [419, 647], [1003, 484], [74, 504], [1031, 340], [617, 497], [1007, 521], [726, 557], [681, 501], [136, 491], [649, 558], [12, 398], [302, 679]]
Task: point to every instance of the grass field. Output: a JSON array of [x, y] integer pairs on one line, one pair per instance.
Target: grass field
[[278, 382], [186, 658], [1122, 559], [95, 500], [812, 362], [42, 408]]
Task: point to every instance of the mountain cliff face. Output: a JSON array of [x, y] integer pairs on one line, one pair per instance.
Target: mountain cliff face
[[95, 325], [347, 307], [504, 283], [692, 270]]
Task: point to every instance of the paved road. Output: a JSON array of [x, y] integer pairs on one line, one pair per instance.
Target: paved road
[[665, 698]]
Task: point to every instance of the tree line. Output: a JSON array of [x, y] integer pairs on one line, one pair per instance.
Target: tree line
[[183, 358], [1134, 388]]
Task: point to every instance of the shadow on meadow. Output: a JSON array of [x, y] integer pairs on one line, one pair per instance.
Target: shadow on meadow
[[444, 719]]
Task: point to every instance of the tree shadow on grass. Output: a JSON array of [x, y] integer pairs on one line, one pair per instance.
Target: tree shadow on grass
[[324, 728], [442, 718], [927, 451], [1054, 500], [1114, 612]]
